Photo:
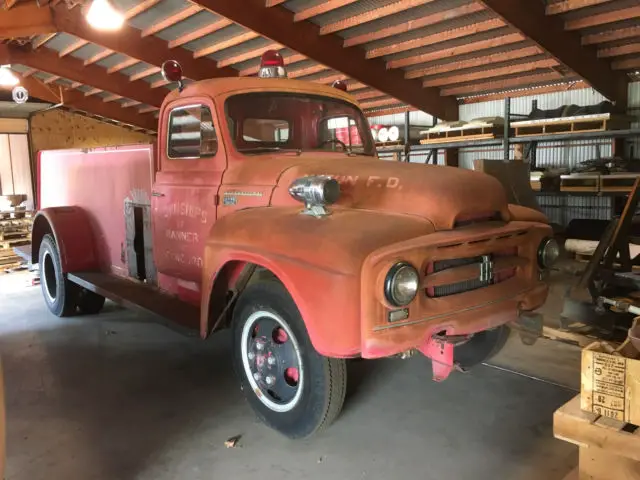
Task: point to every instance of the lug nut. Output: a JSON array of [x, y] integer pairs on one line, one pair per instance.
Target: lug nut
[[271, 361], [257, 377], [251, 356], [259, 346], [270, 380]]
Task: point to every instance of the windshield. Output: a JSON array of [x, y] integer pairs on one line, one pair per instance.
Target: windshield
[[268, 121]]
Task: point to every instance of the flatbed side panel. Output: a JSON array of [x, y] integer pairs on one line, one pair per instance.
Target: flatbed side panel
[[168, 310], [99, 181]]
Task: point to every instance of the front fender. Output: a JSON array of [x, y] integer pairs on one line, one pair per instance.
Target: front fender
[[71, 229], [319, 261]]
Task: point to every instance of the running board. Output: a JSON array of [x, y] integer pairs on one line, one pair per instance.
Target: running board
[[170, 311]]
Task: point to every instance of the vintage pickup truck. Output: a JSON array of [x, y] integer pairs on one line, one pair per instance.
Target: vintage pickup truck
[[263, 207]]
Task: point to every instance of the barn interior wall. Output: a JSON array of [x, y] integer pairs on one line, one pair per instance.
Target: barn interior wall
[[15, 168]]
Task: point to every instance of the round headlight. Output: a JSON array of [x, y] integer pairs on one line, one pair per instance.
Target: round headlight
[[548, 253], [401, 284]]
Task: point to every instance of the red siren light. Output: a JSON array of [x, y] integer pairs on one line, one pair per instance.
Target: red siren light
[[340, 85], [272, 65], [172, 72]]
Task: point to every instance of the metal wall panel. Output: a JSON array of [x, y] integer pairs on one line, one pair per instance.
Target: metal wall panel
[[561, 209]]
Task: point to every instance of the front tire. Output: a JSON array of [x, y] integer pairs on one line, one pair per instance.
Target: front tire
[[290, 386], [481, 347], [89, 303], [59, 293]]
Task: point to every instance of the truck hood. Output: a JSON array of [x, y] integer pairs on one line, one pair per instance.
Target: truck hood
[[445, 196]]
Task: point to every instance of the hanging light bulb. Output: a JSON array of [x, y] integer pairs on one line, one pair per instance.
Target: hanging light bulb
[[103, 16], [7, 77]]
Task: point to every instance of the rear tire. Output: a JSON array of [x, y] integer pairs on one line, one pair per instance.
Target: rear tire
[[89, 303], [59, 294], [291, 387], [482, 347]]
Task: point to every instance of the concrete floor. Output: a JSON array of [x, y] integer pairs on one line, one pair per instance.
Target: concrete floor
[[112, 397]]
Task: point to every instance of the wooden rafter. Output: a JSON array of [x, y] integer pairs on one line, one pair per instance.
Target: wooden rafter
[[93, 75], [611, 35], [461, 77], [603, 18], [99, 56], [478, 61], [25, 20], [422, 22], [200, 32], [525, 92], [382, 102], [147, 72], [520, 81], [620, 50], [467, 30], [218, 46], [311, 70], [319, 9], [528, 16], [369, 16], [472, 47], [631, 63], [190, 11], [253, 53], [152, 50], [304, 37], [122, 65], [569, 5], [42, 40], [69, 49]]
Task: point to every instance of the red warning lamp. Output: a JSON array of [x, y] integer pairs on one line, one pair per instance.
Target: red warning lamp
[[340, 85], [272, 65], [172, 72]]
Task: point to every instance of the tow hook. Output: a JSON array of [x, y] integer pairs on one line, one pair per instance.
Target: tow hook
[[439, 348]]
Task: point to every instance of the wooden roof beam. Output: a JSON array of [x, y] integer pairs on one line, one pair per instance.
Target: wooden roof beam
[[24, 20], [611, 35], [93, 75], [461, 77], [565, 6], [200, 32], [369, 16], [152, 50], [566, 47], [521, 81], [618, 51], [498, 41], [404, 27], [305, 38], [603, 18], [631, 63], [218, 46], [190, 11], [324, 7], [524, 92], [467, 30]]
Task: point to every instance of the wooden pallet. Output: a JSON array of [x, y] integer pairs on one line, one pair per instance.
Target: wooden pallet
[[461, 134], [577, 124], [609, 449]]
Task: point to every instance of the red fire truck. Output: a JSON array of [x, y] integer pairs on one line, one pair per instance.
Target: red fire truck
[[263, 208]]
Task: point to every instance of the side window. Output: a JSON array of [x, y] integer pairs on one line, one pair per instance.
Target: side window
[[191, 133]]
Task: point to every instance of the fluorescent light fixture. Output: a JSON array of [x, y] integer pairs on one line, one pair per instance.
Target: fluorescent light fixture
[[103, 16], [7, 77]]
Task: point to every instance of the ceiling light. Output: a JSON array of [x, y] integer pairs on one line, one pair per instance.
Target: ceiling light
[[103, 16], [7, 77]]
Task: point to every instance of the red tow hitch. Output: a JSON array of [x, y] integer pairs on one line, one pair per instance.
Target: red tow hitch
[[439, 349]]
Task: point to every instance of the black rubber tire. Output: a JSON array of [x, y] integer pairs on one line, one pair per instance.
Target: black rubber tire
[[89, 303], [324, 390], [481, 347], [59, 293]]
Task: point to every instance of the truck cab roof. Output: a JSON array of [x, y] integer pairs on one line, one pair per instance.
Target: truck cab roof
[[222, 86]]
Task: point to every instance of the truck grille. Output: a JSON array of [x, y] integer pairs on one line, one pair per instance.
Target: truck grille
[[466, 285]]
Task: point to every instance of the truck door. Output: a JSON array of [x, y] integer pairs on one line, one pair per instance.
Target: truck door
[[192, 160]]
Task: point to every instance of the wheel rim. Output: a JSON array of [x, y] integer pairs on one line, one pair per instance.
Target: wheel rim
[[272, 361], [49, 277]]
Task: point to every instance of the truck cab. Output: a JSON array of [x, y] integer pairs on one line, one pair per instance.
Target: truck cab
[[263, 208]]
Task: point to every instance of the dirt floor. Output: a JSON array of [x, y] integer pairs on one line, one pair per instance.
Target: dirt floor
[[116, 397]]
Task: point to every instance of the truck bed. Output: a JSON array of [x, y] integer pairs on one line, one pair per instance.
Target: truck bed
[[171, 312]]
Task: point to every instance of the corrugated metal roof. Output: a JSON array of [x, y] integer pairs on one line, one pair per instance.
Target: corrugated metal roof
[[192, 23], [217, 37], [359, 7]]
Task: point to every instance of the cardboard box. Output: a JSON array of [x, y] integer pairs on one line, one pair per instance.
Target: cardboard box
[[611, 381]]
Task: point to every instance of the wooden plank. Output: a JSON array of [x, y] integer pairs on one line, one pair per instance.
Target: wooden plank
[[13, 125], [569, 5]]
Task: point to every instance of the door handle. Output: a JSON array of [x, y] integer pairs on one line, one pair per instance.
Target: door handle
[[157, 194]]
